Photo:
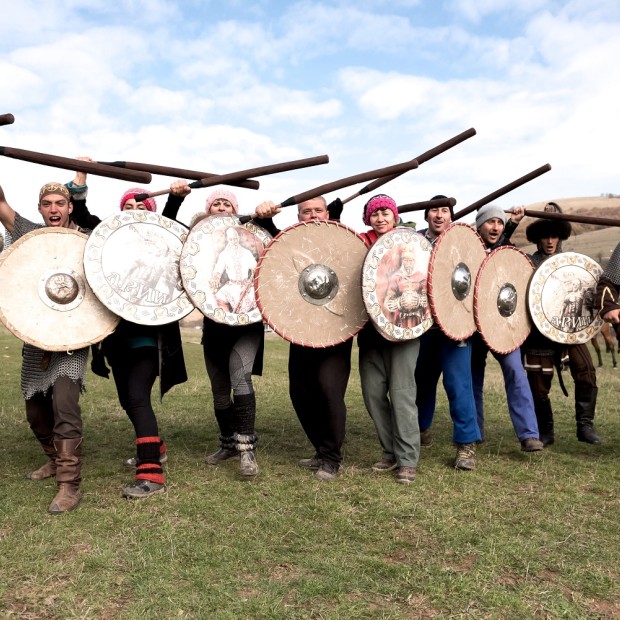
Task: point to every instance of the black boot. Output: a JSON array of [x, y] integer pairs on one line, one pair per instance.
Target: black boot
[[544, 416], [585, 404], [227, 449]]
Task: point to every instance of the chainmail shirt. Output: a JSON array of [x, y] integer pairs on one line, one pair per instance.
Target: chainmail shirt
[[612, 271]]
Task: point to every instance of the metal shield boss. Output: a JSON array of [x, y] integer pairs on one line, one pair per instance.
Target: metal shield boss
[[45, 299], [561, 298], [455, 262], [308, 283], [500, 302], [131, 261], [217, 267], [394, 284]]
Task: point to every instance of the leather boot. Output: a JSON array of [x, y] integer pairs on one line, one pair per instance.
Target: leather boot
[[48, 470], [68, 475], [227, 449], [585, 404], [544, 416]]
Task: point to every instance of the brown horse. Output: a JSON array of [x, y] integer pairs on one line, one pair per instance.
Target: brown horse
[[608, 335]]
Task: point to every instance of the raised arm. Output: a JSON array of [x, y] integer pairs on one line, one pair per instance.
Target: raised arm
[[7, 215], [178, 190]]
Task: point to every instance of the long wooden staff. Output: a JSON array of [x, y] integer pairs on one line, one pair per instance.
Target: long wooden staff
[[501, 191], [244, 174], [78, 165], [438, 203], [339, 184], [572, 217], [437, 150], [6, 119], [169, 171]]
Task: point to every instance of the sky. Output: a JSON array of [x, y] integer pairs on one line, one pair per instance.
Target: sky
[[233, 84]]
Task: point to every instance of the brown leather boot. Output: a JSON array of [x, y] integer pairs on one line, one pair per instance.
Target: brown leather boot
[[49, 469], [68, 470]]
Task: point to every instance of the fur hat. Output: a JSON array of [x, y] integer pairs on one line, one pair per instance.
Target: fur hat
[[53, 188], [149, 203], [225, 195], [543, 229], [488, 212], [380, 201], [438, 197]]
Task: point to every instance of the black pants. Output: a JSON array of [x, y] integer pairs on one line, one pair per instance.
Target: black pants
[[317, 385], [134, 373]]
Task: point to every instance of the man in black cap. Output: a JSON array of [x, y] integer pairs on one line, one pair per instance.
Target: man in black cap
[[542, 355]]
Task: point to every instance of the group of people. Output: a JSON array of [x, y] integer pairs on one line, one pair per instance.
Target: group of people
[[398, 379]]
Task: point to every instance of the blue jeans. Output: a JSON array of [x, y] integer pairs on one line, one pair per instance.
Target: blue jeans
[[518, 392], [438, 354]]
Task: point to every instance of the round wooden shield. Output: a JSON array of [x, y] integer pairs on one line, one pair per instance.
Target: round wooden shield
[[394, 284], [217, 267], [308, 284], [46, 300], [131, 261], [455, 261], [561, 298], [500, 299]]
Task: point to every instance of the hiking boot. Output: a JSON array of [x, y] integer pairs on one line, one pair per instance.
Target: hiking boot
[[311, 463], [405, 475], [385, 465], [531, 444], [223, 454], [326, 472], [248, 466], [465, 456], [133, 461], [426, 438], [143, 488]]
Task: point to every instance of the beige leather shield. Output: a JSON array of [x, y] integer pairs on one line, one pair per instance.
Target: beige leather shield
[[131, 261], [308, 284], [500, 299], [217, 268], [561, 297], [394, 284], [454, 264], [46, 300]]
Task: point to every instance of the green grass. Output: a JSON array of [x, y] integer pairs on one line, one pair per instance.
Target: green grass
[[522, 536]]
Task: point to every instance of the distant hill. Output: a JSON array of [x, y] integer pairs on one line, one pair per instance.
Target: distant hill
[[597, 242]]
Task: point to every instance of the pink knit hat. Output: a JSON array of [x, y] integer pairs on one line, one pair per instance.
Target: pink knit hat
[[380, 201], [222, 193], [149, 203]]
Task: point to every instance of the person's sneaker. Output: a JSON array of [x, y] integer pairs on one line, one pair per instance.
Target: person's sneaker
[[531, 444], [223, 454], [133, 461], [326, 472], [405, 475], [426, 438], [311, 463], [248, 467], [143, 488], [385, 465], [465, 456]]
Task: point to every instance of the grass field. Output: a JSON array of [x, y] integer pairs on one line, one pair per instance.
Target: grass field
[[522, 536]]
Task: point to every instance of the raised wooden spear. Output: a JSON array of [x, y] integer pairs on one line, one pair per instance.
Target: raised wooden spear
[[437, 150], [438, 203], [244, 174], [169, 171], [67, 163], [501, 191], [572, 217], [339, 184]]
